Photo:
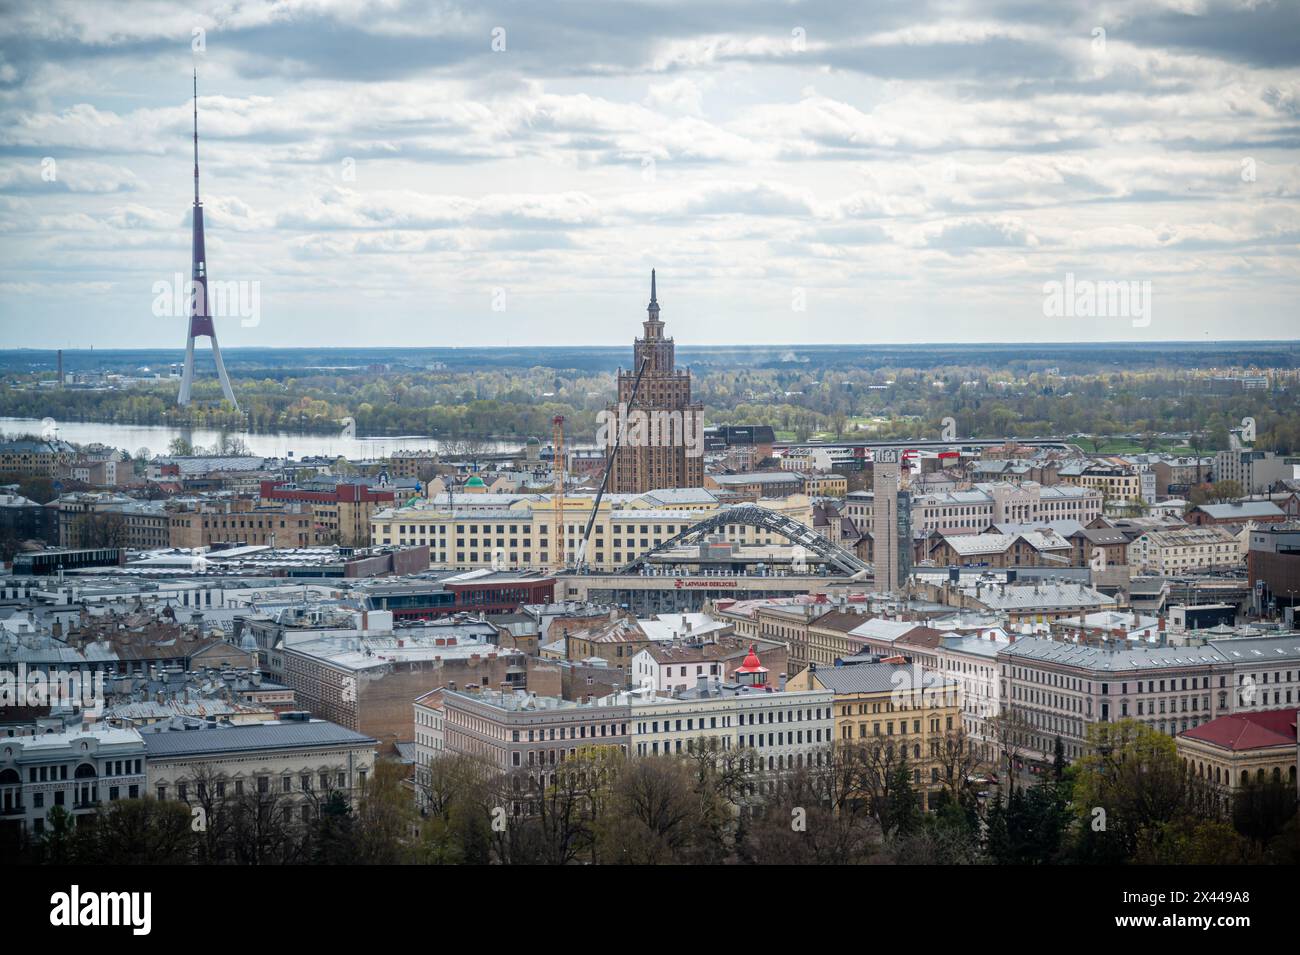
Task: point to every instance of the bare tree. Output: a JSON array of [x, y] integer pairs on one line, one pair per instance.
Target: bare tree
[[957, 756], [1011, 732]]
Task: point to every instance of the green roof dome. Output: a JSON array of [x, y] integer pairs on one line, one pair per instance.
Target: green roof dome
[[475, 481]]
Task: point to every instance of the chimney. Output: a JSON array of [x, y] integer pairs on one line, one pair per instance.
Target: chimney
[[782, 684]]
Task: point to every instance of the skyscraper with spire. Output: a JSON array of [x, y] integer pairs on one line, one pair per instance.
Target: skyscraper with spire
[[200, 308], [665, 460]]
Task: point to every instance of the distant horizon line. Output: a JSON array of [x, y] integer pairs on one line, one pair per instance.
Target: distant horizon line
[[680, 345]]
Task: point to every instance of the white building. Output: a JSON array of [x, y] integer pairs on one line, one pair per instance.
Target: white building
[[430, 741], [986, 504], [673, 669], [782, 731], [972, 661], [298, 762], [1183, 550], [77, 770]]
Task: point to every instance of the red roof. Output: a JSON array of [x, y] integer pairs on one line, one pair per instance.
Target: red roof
[[751, 663], [1242, 731]]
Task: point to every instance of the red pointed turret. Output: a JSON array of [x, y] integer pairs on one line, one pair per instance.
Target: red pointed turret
[[751, 671]]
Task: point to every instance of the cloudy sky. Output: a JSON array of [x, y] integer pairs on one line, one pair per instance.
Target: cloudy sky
[[442, 173]]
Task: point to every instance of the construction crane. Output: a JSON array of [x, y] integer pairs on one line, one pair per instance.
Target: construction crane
[[580, 564], [557, 491]]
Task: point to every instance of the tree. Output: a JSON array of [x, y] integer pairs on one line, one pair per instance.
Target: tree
[[98, 530], [1133, 775], [1219, 492], [262, 829], [654, 814], [958, 758], [1010, 731], [1191, 841], [58, 845], [137, 832], [814, 816], [336, 837], [1261, 809], [902, 815], [33, 486], [386, 816]]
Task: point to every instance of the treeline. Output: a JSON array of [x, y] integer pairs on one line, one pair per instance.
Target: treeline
[[1130, 801], [802, 401]]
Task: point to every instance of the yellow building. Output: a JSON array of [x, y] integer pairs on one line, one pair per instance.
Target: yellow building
[[892, 708], [1242, 749], [514, 532], [828, 484], [1116, 482]]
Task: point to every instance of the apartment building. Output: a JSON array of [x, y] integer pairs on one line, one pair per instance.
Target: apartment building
[[430, 741], [420, 465], [985, 504], [1184, 550], [367, 683], [1115, 481], [825, 484], [1266, 671], [1057, 689], [815, 633], [754, 485], [1256, 471], [340, 509], [526, 733], [78, 770], [971, 660], [88, 519], [35, 458], [677, 667], [778, 731], [242, 520], [892, 705]]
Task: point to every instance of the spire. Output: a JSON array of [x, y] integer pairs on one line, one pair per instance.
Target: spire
[[196, 136], [200, 312], [653, 309]]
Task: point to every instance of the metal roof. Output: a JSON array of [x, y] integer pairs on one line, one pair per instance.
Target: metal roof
[[878, 677], [260, 736]]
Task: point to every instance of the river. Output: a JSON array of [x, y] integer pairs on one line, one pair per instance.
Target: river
[[279, 444]]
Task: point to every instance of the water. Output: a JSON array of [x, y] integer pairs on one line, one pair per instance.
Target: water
[[277, 444]]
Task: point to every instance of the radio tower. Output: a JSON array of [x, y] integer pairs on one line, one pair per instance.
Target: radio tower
[[200, 313]]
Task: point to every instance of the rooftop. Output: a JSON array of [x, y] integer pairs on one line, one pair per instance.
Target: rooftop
[[1112, 659], [289, 734], [879, 677], [1247, 731]]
